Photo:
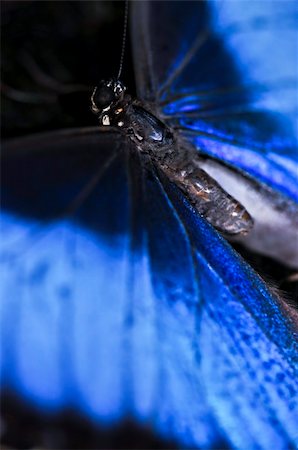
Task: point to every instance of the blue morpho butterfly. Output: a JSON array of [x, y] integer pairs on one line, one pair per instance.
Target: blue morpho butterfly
[[119, 300]]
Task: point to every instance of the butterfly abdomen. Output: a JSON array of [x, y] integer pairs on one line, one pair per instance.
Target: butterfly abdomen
[[208, 198]]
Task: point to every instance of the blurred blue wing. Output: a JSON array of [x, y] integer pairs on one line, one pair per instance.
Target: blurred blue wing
[[87, 321], [225, 76], [130, 305]]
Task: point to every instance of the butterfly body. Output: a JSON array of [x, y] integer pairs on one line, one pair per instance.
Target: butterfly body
[[177, 159]]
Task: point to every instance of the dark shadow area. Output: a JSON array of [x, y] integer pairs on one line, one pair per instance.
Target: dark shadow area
[[274, 273], [53, 53], [25, 428]]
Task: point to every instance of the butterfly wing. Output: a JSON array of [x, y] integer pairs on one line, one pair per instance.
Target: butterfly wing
[[241, 371], [89, 324], [210, 69], [118, 302]]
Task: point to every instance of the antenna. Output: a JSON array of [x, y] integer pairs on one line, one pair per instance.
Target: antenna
[[123, 38]]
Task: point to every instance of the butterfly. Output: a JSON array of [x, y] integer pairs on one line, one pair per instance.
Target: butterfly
[[119, 299]]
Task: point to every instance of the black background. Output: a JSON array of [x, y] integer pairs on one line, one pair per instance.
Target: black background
[[53, 53]]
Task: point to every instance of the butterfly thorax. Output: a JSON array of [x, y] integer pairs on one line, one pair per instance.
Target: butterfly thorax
[[117, 109]]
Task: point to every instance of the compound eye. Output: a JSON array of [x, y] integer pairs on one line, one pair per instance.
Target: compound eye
[[118, 89], [103, 97]]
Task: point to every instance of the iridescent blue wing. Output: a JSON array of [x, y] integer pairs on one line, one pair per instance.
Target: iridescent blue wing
[[224, 76], [118, 302], [97, 315]]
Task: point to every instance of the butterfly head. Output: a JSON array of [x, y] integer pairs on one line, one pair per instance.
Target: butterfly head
[[107, 100]]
